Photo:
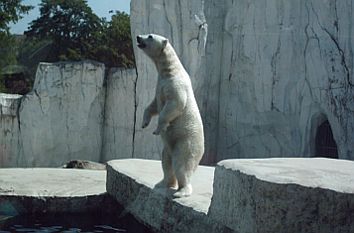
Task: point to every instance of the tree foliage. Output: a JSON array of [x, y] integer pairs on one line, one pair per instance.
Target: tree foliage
[[115, 44], [11, 11], [77, 33], [65, 30], [71, 25]]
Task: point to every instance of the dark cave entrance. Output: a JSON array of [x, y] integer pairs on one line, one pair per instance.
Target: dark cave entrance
[[325, 144]]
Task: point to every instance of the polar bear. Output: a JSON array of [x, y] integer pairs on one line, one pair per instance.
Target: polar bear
[[179, 121]]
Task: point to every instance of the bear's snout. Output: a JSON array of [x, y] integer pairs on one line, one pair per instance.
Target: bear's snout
[[140, 41]]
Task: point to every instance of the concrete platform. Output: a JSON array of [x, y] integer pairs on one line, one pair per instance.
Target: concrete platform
[[132, 181], [38, 190], [284, 195], [248, 195]]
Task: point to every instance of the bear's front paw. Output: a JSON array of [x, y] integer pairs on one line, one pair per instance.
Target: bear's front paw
[[146, 119], [156, 132], [144, 124]]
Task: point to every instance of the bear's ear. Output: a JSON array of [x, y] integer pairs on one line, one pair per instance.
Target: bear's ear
[[164, 42]]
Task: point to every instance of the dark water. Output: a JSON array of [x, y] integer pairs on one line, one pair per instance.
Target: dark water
[[73, 223]]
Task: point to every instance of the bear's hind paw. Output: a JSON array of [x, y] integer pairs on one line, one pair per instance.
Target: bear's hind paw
[[183, 192]]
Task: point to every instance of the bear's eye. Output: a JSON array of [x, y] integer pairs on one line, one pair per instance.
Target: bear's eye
[[150, 36]]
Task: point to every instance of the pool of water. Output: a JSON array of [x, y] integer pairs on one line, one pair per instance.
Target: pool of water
[[69, 223]]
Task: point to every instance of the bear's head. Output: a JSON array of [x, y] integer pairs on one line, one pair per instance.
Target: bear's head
[[152, 44]]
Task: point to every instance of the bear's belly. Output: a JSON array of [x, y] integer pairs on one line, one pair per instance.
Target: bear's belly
[[185, 127]]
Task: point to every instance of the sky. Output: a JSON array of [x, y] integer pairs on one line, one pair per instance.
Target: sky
[[99, 7]]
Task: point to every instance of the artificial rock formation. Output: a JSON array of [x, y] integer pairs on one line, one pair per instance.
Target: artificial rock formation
[[131, 182], [243, 195], [284, 195], [59, 120], [10, 148], [266, 73], [183, 23], [120, 114], [53, 190], [76, 111]]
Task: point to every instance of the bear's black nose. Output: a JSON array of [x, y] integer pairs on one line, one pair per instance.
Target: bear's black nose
[[138, 39]]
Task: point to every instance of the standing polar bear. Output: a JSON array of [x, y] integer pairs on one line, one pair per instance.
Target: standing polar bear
[[179, 124]]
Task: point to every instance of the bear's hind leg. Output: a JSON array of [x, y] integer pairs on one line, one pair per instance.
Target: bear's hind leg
[[169, 178], [183, 168], [184, 184]]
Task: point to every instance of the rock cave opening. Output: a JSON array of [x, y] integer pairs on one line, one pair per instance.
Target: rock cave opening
[[325, 145]]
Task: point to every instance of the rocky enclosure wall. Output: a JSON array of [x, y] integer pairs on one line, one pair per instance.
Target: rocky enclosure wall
[[70, 114], [266, 73]]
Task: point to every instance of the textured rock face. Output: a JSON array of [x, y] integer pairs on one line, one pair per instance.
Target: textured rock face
[[10, 147], [286, 67], [59, 120], [248, 195], [183, 23], [120, 114], [131, 182], [269, 73], [284, 195], [65, 112], [50, 190], [266, 75]]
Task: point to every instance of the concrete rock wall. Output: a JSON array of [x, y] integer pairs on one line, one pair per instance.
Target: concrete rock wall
[[119, 114], [183, 22], [287, 66], [59, 120], [266, 73], [10, 142], [75, 111], [276, 195]]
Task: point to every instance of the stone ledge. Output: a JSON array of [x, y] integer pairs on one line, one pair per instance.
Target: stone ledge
[[131, 182], [284, 195], [51, 190], [9, 104]]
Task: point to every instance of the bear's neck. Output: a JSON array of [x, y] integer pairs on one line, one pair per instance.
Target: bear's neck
[[168, 63]]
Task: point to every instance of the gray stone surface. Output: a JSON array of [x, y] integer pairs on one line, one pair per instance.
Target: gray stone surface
[[131, 182], [59, 120], [72, 113], [120, 114], [183, 23], [10, 149], [286, 67], [284, 195], [39, 190], [266, 74], [9, 104]]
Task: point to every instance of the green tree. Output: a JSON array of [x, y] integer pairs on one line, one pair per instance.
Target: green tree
[[10, 11], [116, 48], [77, 33], [71, 25]]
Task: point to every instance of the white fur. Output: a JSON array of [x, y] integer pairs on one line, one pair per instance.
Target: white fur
[[179, 123]]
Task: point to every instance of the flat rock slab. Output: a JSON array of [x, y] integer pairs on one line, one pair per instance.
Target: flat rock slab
[[333, 174], [284, 195], [56, 190], [132, 182]]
